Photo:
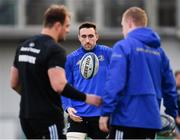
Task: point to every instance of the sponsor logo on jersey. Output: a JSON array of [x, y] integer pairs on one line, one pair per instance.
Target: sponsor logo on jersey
[[33, 50], [27, 58], [101, 57], [147, 50], [31, 44]]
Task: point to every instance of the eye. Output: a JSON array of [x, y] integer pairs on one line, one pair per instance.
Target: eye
[[90, 36], [83, 36]]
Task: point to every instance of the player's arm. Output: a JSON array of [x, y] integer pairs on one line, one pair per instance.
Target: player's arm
[[114, 85], [59, 84], [169, 89], [66, 102], [14, 79]]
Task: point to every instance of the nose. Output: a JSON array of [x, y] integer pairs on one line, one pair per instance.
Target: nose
[[67, 30], [87, 39]]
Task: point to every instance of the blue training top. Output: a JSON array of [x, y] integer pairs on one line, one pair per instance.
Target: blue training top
[[95, 85], [140, 75]]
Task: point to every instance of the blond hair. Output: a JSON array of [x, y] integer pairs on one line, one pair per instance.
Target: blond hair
[[137, 15]]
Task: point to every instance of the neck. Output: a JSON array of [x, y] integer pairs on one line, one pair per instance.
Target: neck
[[49, 32], [132, 27]]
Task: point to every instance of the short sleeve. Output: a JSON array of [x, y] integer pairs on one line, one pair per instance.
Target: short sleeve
[[15, 62]]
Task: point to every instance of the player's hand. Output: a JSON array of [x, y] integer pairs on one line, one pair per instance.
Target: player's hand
[[103, 124], [168, 134], [93, 99], [72, 114], [178, 120]]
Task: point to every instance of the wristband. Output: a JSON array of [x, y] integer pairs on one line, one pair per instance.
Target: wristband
[[71, 92]]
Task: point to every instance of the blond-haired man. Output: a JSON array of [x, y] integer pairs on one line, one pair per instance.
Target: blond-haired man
[[140, 75]]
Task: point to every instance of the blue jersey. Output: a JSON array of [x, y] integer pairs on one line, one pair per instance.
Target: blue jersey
[[140, 75], [95, 85]]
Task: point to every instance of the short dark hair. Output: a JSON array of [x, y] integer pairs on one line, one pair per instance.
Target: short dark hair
[[55, 13], [177, 73], [87, 25]]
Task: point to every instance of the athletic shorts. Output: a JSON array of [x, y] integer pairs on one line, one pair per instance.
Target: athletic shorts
[[118, 132], [43, 128], [89, 125]]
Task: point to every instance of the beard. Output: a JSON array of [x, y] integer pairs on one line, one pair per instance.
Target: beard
[[89, 47], [61, 39]]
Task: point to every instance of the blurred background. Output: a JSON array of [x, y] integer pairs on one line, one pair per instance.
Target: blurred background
[[20, 19]]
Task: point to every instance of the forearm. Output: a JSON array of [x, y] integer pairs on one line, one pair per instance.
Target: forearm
[[18, 89], [71, 92]]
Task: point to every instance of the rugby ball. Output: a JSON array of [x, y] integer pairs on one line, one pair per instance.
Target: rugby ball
[[89, 65], [168, 125]]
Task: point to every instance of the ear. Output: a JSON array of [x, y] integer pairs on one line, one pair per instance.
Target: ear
[[97, 36], [57, 25], [79, 37], [130, 23]]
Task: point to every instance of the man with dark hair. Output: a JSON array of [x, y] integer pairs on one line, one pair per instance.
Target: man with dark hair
[[84, 118], [38, 76], [140, 76]]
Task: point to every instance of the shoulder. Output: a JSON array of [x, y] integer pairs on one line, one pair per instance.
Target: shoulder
[[104, 48], [120, 44], [54, 51], [58, 47], [75, 53], [74, 56], [33, 39], [123, 46], [163, 55]]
